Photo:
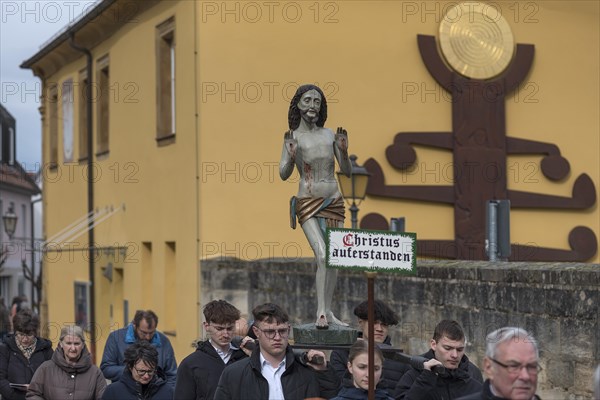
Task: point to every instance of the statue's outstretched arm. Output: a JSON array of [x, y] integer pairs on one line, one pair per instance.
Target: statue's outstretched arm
[[340, 149], [288, 155]]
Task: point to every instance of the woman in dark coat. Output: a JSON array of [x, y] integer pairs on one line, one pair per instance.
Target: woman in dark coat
[[21, 354], [140, 378], [5, 324]]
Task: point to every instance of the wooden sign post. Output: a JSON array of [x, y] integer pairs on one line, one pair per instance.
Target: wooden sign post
[[372, 252]]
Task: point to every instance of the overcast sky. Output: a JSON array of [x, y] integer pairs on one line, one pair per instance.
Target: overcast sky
[[24, 27]]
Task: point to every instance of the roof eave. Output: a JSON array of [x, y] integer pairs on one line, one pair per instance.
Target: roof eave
[[90, 30]]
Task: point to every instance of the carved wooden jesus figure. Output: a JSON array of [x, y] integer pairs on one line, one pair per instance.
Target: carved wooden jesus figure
[[319, 204]]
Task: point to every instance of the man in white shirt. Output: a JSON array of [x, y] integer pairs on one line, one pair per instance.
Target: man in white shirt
[[272, 371]]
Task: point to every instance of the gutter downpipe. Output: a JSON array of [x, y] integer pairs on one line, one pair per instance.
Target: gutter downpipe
[[197, 153], [90, 190]]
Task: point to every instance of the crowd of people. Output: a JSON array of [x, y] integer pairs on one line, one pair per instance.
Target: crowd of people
[[240, 360]]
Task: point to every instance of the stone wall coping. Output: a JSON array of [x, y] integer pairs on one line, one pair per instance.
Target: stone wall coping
[[580, 274]]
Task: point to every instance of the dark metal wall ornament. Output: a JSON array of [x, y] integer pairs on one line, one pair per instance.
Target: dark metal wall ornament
[[480, 147]]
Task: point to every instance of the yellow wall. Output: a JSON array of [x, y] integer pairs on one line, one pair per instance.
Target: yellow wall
[[154, 186], [364, 55], [368, 59]]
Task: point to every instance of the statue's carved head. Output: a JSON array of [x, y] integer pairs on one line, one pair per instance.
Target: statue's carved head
[[294, 113]]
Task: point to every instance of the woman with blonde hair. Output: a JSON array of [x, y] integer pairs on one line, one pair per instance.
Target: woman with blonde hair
[[70, 373]]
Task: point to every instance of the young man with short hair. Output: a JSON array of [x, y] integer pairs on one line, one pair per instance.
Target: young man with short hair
[[199, 373], [272, 371], [460, 377]]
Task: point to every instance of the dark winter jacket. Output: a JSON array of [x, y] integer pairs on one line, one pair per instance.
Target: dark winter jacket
[[243, 380], [354, 393], [127, 388], [425, 384], [112, 364], [15, 368], [392, 370], [4, 321], [59, 379], [199, 373], [486, 394]]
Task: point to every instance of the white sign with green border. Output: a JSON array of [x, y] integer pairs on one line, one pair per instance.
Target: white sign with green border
[[377, 251]]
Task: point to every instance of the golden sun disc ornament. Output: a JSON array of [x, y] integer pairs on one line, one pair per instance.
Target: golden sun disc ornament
[[476, 40]]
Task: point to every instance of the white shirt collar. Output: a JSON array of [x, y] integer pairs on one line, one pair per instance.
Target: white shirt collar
[[225, 355], [264, 361]]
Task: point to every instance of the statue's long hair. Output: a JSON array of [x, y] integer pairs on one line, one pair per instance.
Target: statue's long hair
[[294, 113]]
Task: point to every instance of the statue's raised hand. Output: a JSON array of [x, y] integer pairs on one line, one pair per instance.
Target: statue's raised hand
[[291, 144], [341, 139]]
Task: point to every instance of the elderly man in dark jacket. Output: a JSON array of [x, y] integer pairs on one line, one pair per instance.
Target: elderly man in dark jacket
[[21, 355], [272, 371], [384, 318], [511, 364], [459, 378]]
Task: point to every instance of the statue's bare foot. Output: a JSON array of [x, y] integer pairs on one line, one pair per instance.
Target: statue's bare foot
[[334, 320], [322, 322]]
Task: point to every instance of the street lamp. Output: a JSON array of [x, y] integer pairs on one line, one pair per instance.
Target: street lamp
[[354, 187], [10, 221]]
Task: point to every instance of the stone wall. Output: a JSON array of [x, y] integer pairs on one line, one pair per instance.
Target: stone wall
[[556, 302]]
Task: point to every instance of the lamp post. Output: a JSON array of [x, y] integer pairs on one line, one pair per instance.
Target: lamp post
[[354, 187], [10, 221], [10, 225]]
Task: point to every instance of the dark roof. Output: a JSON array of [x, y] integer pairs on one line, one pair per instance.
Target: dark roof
[[5, 115], [15, 178]]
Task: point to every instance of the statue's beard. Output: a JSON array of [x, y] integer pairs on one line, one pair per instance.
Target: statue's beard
[[312, 119]]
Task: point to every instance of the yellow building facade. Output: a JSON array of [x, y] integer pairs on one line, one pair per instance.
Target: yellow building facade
[[190, 103]]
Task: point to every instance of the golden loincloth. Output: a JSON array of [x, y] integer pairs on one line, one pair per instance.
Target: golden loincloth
[[329, 211]]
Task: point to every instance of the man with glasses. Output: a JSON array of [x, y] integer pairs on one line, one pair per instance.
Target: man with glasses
[[511, 364], [199, 373], [459, 376], [272, 371], [142, 328]]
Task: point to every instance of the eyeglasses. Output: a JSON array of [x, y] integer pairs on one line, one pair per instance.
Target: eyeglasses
[[532, 369], [142, 372], [270, 333], [23, 334]]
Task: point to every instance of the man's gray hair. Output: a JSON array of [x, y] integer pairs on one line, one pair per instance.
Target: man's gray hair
[[506, 334]]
